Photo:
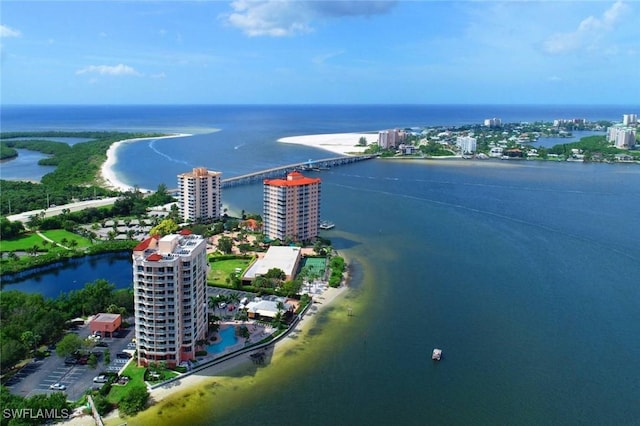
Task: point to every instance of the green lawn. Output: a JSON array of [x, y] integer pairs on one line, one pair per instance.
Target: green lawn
[[22, 243], [25, 242], [58, 234], [137, 379], [221, 269]]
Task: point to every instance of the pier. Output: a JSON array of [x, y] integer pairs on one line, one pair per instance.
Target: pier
[[283, 170]]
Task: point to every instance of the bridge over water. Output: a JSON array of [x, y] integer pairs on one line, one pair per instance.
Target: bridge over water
[[283, 170]]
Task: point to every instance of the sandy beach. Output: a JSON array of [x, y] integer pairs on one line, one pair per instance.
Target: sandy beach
[[107, 173], [207, 374], [210, 374], [338, 143]]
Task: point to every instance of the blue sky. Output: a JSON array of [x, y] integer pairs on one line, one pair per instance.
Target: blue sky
[[319, 52]]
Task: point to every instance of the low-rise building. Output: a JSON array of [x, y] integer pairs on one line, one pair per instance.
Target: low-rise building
[[284, 258], [105, 324]]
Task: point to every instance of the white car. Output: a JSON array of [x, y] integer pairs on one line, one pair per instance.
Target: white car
[[100, 379], [57, 386]]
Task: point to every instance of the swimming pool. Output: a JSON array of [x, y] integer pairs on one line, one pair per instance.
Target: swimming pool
[[227, 338]]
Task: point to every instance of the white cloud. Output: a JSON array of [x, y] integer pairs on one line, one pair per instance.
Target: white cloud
[[116, 70], [8, 32], [278, 18], [589, 31]]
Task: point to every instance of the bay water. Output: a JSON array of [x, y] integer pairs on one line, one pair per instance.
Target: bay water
[[525, 273]]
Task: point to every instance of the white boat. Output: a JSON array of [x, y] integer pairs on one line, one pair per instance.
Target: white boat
[[326, 225], [437, 354]]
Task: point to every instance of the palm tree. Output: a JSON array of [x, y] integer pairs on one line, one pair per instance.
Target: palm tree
[[73, 243], [64, 241], [277, 320]]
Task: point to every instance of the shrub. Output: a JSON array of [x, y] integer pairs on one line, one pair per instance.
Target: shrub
[[134, 401]]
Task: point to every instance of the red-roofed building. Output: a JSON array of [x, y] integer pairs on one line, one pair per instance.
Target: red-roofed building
[[291, 207], [105, 324], [170, 291]]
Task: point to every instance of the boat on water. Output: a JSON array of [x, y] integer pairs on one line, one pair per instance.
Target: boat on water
[[326, 224], [437, 354]]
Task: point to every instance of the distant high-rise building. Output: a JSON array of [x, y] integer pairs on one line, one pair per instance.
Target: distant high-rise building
[[629, 119], [292, 207], [493, 122], [467, 144], [170, 293], [390, 138], [622, 136], [199, 195]]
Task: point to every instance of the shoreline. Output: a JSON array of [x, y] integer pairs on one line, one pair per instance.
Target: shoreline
[[107, 173], [215, 371], [187, 384], [338, 143]]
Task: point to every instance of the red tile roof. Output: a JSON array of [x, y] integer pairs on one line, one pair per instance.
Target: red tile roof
[[145, 244], [294, 178], [185, 232], [154, 257]]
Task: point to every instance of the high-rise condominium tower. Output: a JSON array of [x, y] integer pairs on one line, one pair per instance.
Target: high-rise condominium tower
[[170, 290], [292, 207], [199, 195]]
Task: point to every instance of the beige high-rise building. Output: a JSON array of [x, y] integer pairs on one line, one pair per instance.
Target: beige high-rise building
[[199, 195], [170, 297], [291, 207]]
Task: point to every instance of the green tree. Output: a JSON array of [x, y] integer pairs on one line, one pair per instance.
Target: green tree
[[30, 340], [243, 331], [107, 357], [165, 227], [102, 404], [225, 244], [291, 287], [92, 361], [69, 344], [134, 401]]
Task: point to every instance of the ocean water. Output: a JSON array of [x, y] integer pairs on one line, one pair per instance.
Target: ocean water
[[240, 139], [524, 273]]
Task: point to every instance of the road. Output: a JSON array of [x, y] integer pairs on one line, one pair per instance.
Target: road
[[56, 210]]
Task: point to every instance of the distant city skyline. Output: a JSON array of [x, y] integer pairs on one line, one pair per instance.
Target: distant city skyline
[[319, 52]]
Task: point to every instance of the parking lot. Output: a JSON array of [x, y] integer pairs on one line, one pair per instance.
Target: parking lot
[[38, 375]]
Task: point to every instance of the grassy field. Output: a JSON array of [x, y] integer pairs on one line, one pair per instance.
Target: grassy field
[[23, 243], [221, 269], [27, 241], [137, 379], [58, 234]]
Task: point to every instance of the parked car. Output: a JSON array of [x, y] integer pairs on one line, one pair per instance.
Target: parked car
[[70, 360], [57, 386], [123, 355], [100, 379], [102, 345]]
